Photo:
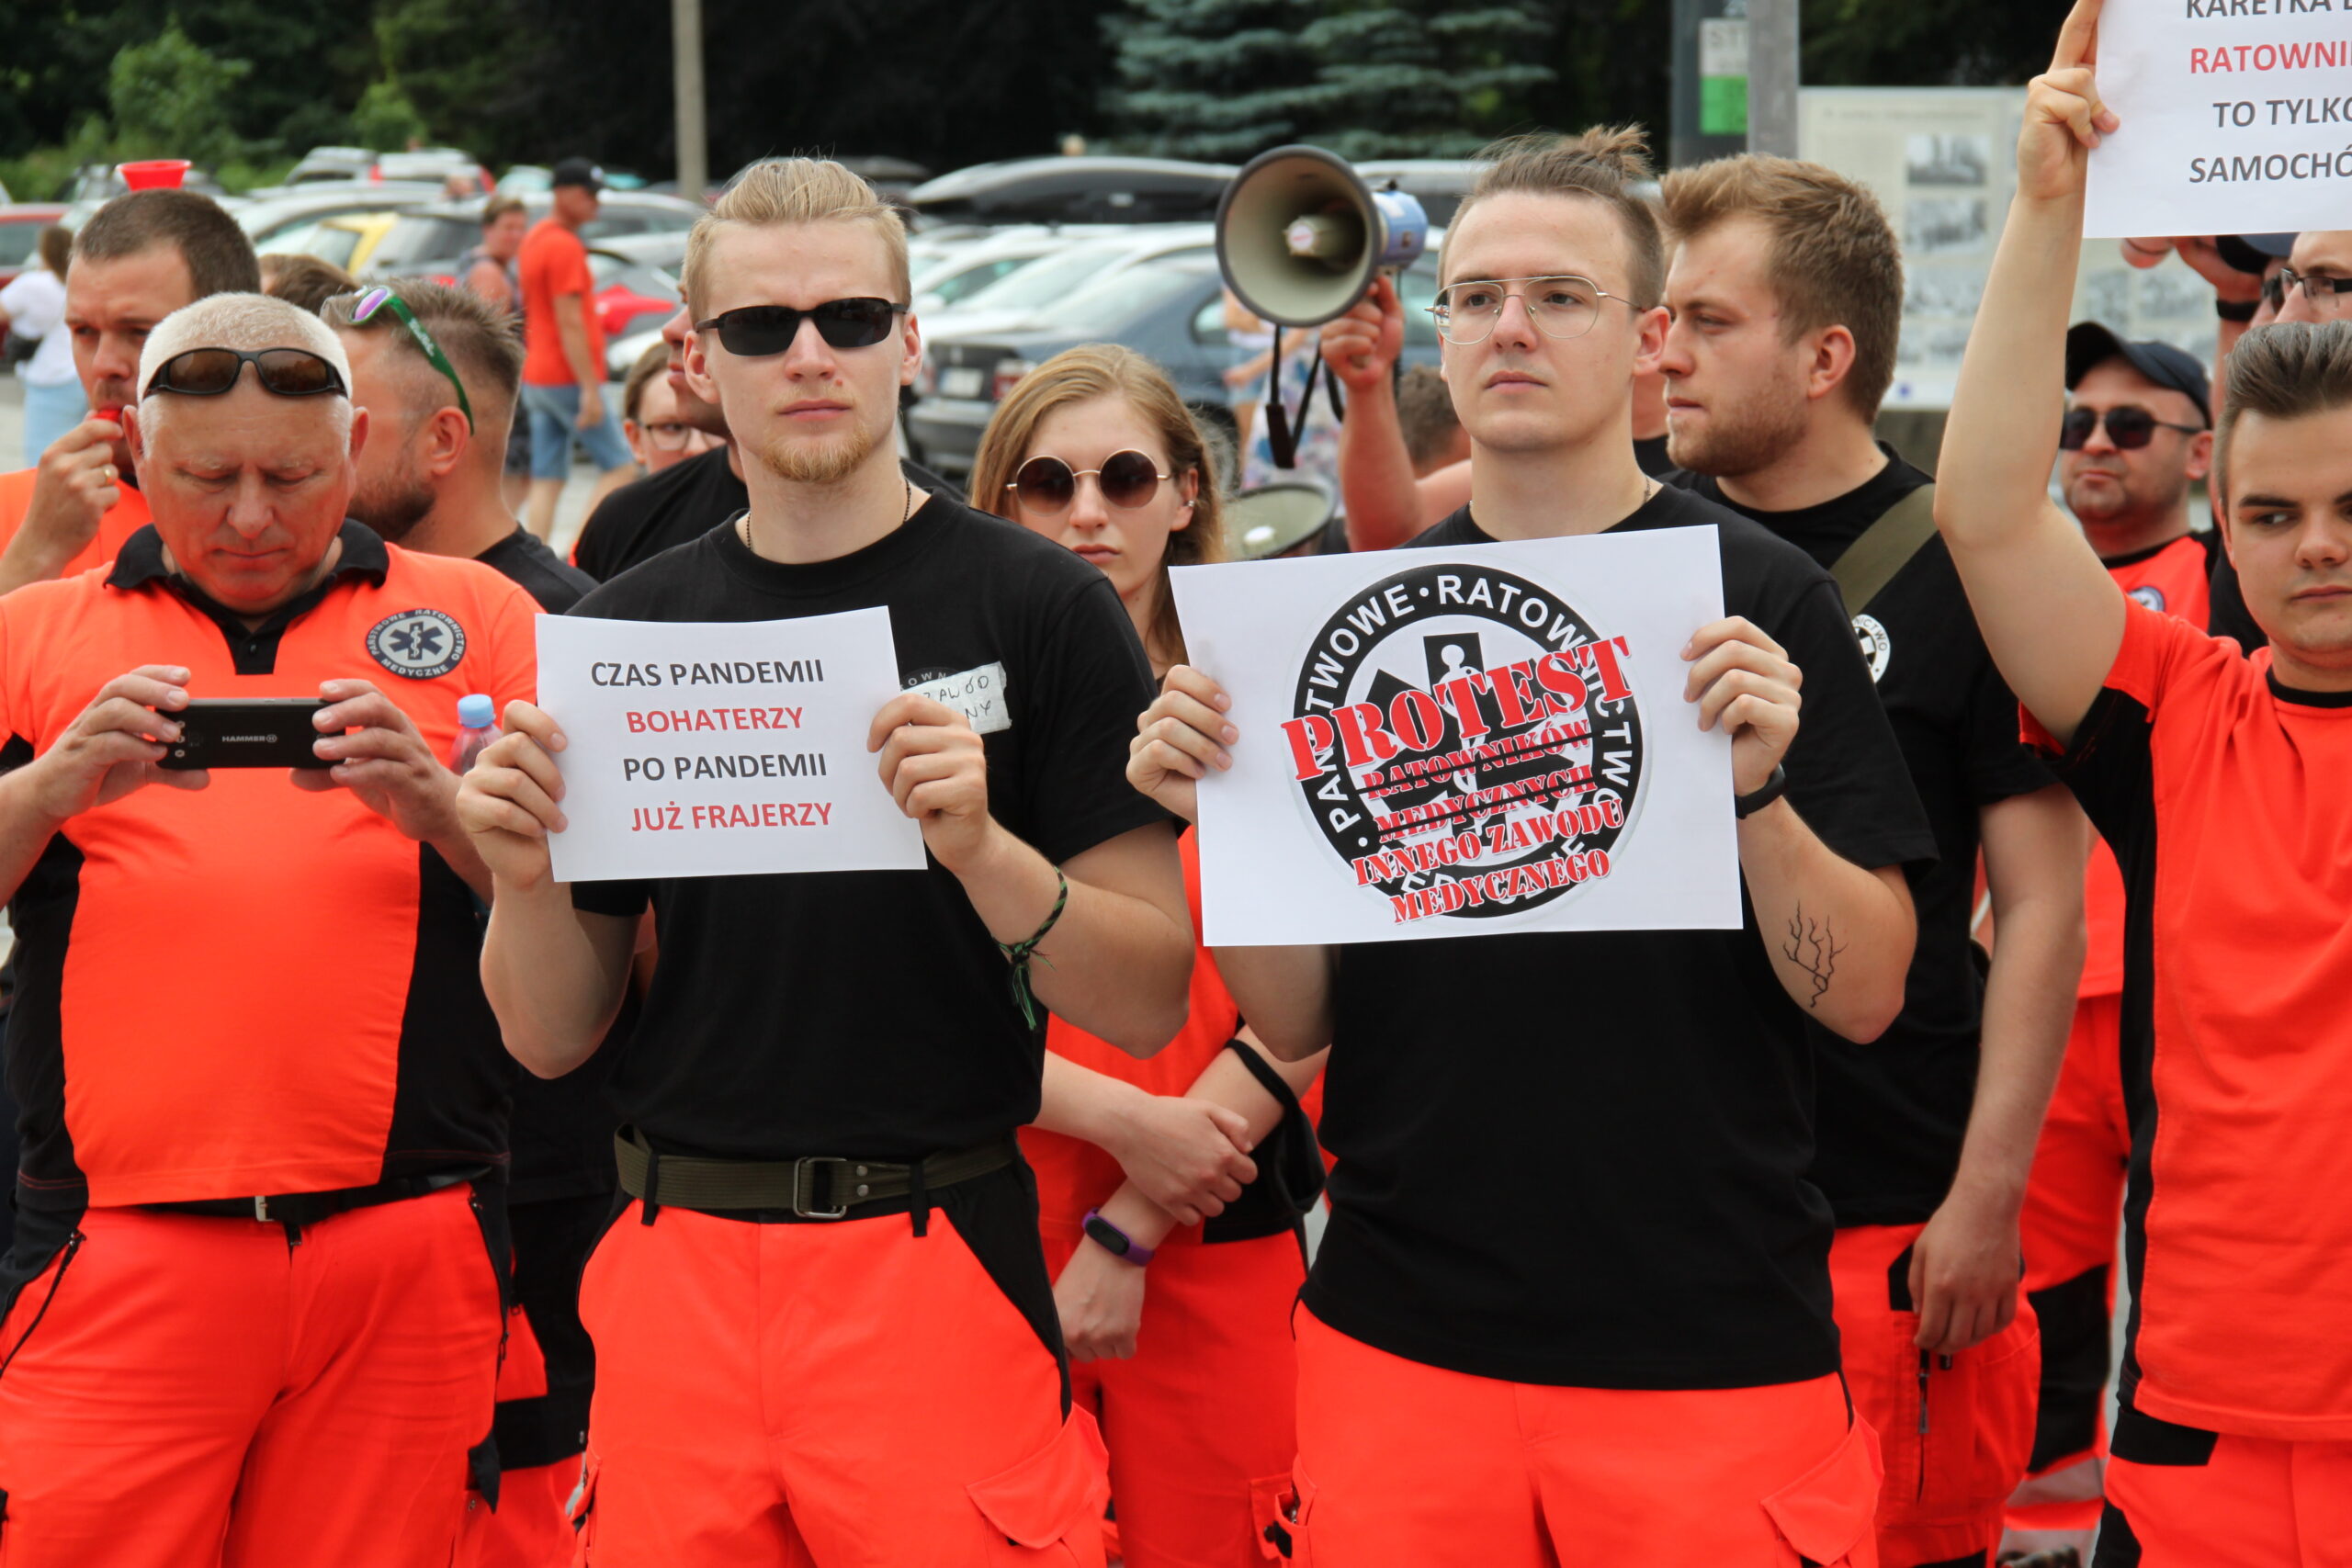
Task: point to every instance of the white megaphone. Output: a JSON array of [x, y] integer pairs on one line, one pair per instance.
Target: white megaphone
[[1300, 236]]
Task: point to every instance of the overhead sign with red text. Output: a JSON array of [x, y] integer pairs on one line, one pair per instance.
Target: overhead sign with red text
[[1456, 742], [722, 749], [2236, 118]]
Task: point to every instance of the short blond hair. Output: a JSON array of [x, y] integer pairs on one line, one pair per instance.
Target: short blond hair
[[1833, 259], [1606, 163], [795, 190]]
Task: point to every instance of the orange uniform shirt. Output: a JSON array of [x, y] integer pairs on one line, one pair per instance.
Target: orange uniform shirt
[[551, 264], [2176, 580], [124, 518], [1073, 1175], [2222, 793], [250, 988]]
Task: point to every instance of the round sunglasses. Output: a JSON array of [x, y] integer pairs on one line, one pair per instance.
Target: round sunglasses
[[1049, 485], [2129, 426], [757, 331], [210, 372]]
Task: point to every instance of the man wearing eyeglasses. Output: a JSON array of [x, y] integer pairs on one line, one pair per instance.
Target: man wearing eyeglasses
[[824, 1330], [436, 367], [1574, 1303], [252, 1310]]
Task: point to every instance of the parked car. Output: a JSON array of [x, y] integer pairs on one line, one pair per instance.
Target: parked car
[[428, 240], [1077, 190], [346, 241], [1171, 308], [630, 293], [331, 164], [20, 227], [948, 274], [285, 222], [95, 182]]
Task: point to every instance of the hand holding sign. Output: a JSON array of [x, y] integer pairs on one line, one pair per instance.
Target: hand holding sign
[[510, 801], [1743, 680], [933, 765], [1183, 735], [2063, 117]]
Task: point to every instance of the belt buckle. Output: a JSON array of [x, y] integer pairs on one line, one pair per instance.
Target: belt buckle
[[261, 1210], [801, 1188]]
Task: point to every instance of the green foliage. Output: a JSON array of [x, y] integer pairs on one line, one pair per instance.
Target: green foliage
[[170, 99], [385, 120], [1218, 80]]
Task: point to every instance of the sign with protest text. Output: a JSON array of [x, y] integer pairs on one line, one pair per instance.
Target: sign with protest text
[[1452, 742], [2236, 118], [722, 749]]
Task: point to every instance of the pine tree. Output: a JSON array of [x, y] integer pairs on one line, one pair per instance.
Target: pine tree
[[1219, 80], [1420, 79]]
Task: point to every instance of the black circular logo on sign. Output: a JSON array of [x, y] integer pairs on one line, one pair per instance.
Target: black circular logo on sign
[[419, 644], [1469, 746]]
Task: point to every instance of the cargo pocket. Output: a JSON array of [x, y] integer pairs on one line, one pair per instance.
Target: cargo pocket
[[1980, 1418], [584, 1516], [1273, 1510], [1048, 1508], [1825, 1514]]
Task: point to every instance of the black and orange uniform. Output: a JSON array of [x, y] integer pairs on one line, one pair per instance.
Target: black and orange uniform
[[559, 1195], [677, 506], [1892, 1114], [120, 521], [1586, 1318], [1201, 1420], [774, 1386], [255, 1293], [2221, 791], [2073, 1203]]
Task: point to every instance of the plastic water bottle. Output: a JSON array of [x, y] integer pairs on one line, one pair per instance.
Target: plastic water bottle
[[477, 716]]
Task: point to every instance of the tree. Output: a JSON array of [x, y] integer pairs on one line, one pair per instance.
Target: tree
[[170, 99], [1418, 79], [1219, 80]]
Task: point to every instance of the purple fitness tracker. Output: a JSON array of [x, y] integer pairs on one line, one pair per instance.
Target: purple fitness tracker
[[1114, 1240]]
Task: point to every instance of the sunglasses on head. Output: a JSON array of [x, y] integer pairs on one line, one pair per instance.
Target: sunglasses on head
[[755, 332], [1049, 485], [2131, 427], [374, 303], [210, 372]]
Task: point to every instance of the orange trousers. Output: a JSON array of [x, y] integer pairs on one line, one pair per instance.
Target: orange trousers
[[841, 1395], [1403, 1465], [189, 1391], [1956, 1429], [1200, 1421], [2253, 1502]]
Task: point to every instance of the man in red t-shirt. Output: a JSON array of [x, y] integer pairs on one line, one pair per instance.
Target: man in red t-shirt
[[137, 259], [564, 364], [2218, 782]]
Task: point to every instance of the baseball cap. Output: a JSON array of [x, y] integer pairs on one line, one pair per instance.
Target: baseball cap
[[2089, 343], [2253, 252], [576, 172]]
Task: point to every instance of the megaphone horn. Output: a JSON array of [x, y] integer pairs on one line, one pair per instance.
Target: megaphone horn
[[1300, 237]]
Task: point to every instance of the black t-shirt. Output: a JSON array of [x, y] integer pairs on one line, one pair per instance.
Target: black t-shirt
[[1580, 1159], [869, 1013], [1892, 1114], [2229, 616], [562, 1131], [683, 501], [1649, 452]]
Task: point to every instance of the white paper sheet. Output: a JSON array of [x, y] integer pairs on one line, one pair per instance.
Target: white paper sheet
[[2236, 118], [1601, 809], [722, 749]]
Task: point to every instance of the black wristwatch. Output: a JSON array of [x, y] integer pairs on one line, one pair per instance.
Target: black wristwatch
[[2239, 310], [1747, 805]]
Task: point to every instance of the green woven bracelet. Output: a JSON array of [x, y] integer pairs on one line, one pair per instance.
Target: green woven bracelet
[[1018, 954]]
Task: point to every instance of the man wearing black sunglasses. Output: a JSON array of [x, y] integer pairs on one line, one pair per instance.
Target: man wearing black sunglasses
[[254, 1295], [824, 1330]]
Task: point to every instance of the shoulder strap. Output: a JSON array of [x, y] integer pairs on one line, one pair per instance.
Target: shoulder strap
[[1885, 548]]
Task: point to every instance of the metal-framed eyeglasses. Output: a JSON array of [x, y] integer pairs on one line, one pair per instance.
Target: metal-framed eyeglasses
[[1563, 306]]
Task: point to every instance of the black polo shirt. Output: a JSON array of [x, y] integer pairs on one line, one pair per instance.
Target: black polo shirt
[[1580, 1158]]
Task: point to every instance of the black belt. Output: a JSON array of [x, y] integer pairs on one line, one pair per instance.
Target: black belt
[[309, 1208], [820, 1187]]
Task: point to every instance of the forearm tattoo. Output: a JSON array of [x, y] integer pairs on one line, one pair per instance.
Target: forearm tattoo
[[1813, 948]]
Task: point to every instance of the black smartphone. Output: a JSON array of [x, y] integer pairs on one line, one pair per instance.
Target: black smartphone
[[245, 732]]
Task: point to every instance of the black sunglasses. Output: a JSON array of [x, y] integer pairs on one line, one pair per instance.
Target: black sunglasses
[[2131, 427], [755, 332], [210, 372], [1047, 485]]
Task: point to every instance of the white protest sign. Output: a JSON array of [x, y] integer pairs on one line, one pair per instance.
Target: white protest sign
[[1450, 742], [2236, 118], [722, 749]]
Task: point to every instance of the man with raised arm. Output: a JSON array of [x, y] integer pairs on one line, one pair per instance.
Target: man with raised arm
[[824, 1331], [2218, 781], [1574, 1302]]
